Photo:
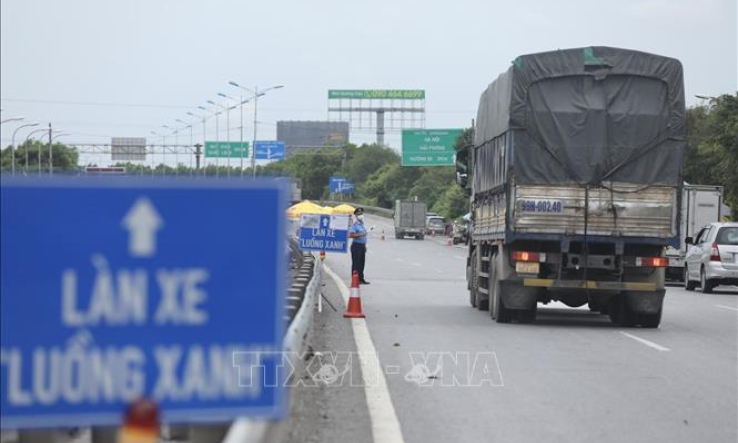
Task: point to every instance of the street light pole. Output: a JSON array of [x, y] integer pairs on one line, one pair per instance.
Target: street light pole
[[255, 95], [217, 137], [11, 119], [51, 154], [28, 137], [12, 145]]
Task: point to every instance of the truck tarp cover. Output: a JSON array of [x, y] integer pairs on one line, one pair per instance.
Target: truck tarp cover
[[587, 116]]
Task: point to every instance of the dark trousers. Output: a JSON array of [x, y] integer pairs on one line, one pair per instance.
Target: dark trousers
[[358, 258]]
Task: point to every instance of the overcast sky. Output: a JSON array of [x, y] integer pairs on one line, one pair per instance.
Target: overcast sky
[[170, 56]]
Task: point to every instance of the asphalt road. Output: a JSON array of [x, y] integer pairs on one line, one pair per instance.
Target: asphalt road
[[571, 376]]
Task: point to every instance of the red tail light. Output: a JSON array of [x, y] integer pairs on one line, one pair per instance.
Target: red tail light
[[652, 262], [529, 256], [714, 252]]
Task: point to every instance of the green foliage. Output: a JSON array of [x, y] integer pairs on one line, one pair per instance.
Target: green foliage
[[453, 203], [432, 184], [64, 157], [389, 183], [712, 147], [367, 159]]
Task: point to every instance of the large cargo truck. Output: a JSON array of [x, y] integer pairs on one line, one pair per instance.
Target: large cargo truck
[[701, 205], [575, 177], [409, 219]]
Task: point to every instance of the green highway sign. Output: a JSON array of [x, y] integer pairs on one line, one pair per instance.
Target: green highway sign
[[429, 147], [226, 149], [395, 94]]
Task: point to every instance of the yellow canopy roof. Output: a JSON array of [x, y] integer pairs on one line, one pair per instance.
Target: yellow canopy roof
[[344, 209], [306, 207]]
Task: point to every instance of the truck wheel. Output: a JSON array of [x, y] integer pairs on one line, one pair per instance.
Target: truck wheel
[[421, 237], [689, 285], [473, 280], [497, 311], [619, 312], [651, 320], [707, 285], [527, 315]]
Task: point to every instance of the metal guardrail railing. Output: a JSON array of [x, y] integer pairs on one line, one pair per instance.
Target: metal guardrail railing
[[383, 212], [301, 298]]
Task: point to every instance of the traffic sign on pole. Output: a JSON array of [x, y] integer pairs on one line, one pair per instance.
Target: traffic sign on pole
[[226, 149], [124, 289], [429, 147], [269, 150], [320, 232], [340, 185]]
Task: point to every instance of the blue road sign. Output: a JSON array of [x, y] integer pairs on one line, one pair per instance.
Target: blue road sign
[[120, 289], [269, 150], [340, 185], [324, 232]]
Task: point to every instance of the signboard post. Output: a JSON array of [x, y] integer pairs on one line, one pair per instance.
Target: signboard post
[[118, 290], [226, 149], [320, 232], [269, 150], [340, 185], [429, 147]]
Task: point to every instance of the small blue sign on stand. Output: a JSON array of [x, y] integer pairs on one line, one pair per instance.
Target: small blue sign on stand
[[121, 289], [340, 185], [269, 150], [327, 233]]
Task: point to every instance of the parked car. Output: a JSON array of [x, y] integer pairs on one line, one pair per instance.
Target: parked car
[[435, 225], [712, 257]]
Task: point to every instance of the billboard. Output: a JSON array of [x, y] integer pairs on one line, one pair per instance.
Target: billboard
[[340, 185], [429, 147], [128, 148], [312, 134], [374, 94]]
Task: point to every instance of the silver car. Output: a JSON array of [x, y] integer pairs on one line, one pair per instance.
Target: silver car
[[712, 257]]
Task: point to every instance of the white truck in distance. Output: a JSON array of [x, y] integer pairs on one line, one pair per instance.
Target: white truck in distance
[[700, 206]]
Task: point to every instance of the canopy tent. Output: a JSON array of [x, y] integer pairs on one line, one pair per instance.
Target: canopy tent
[[306, 207], [344, 209]]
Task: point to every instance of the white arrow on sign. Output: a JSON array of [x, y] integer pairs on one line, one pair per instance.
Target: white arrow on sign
[[142, 222]]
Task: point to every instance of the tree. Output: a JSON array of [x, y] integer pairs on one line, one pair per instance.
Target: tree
[[367, 159], [452, 203], [712, 147], [64, 157]]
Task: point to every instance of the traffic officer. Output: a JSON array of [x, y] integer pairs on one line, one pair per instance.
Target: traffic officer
[[358, 246]]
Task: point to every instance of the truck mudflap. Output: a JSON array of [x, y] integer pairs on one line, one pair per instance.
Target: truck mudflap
[[590, 284]]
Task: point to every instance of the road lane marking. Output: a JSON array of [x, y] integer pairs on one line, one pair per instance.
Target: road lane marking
[[399, 259], [726, 307], [415, 264], [648, 343], [461, 257], [382, 415]]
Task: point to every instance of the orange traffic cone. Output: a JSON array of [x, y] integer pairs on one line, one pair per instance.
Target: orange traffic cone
[[322, 255], [140, 423], [353, 310]]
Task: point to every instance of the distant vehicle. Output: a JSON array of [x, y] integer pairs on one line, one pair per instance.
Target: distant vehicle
[[712, 257], [700, 206], [435, 225], [409, 219], [575, 179]]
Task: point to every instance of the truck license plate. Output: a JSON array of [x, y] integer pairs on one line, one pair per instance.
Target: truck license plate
[[542, 206], [527, 268]]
